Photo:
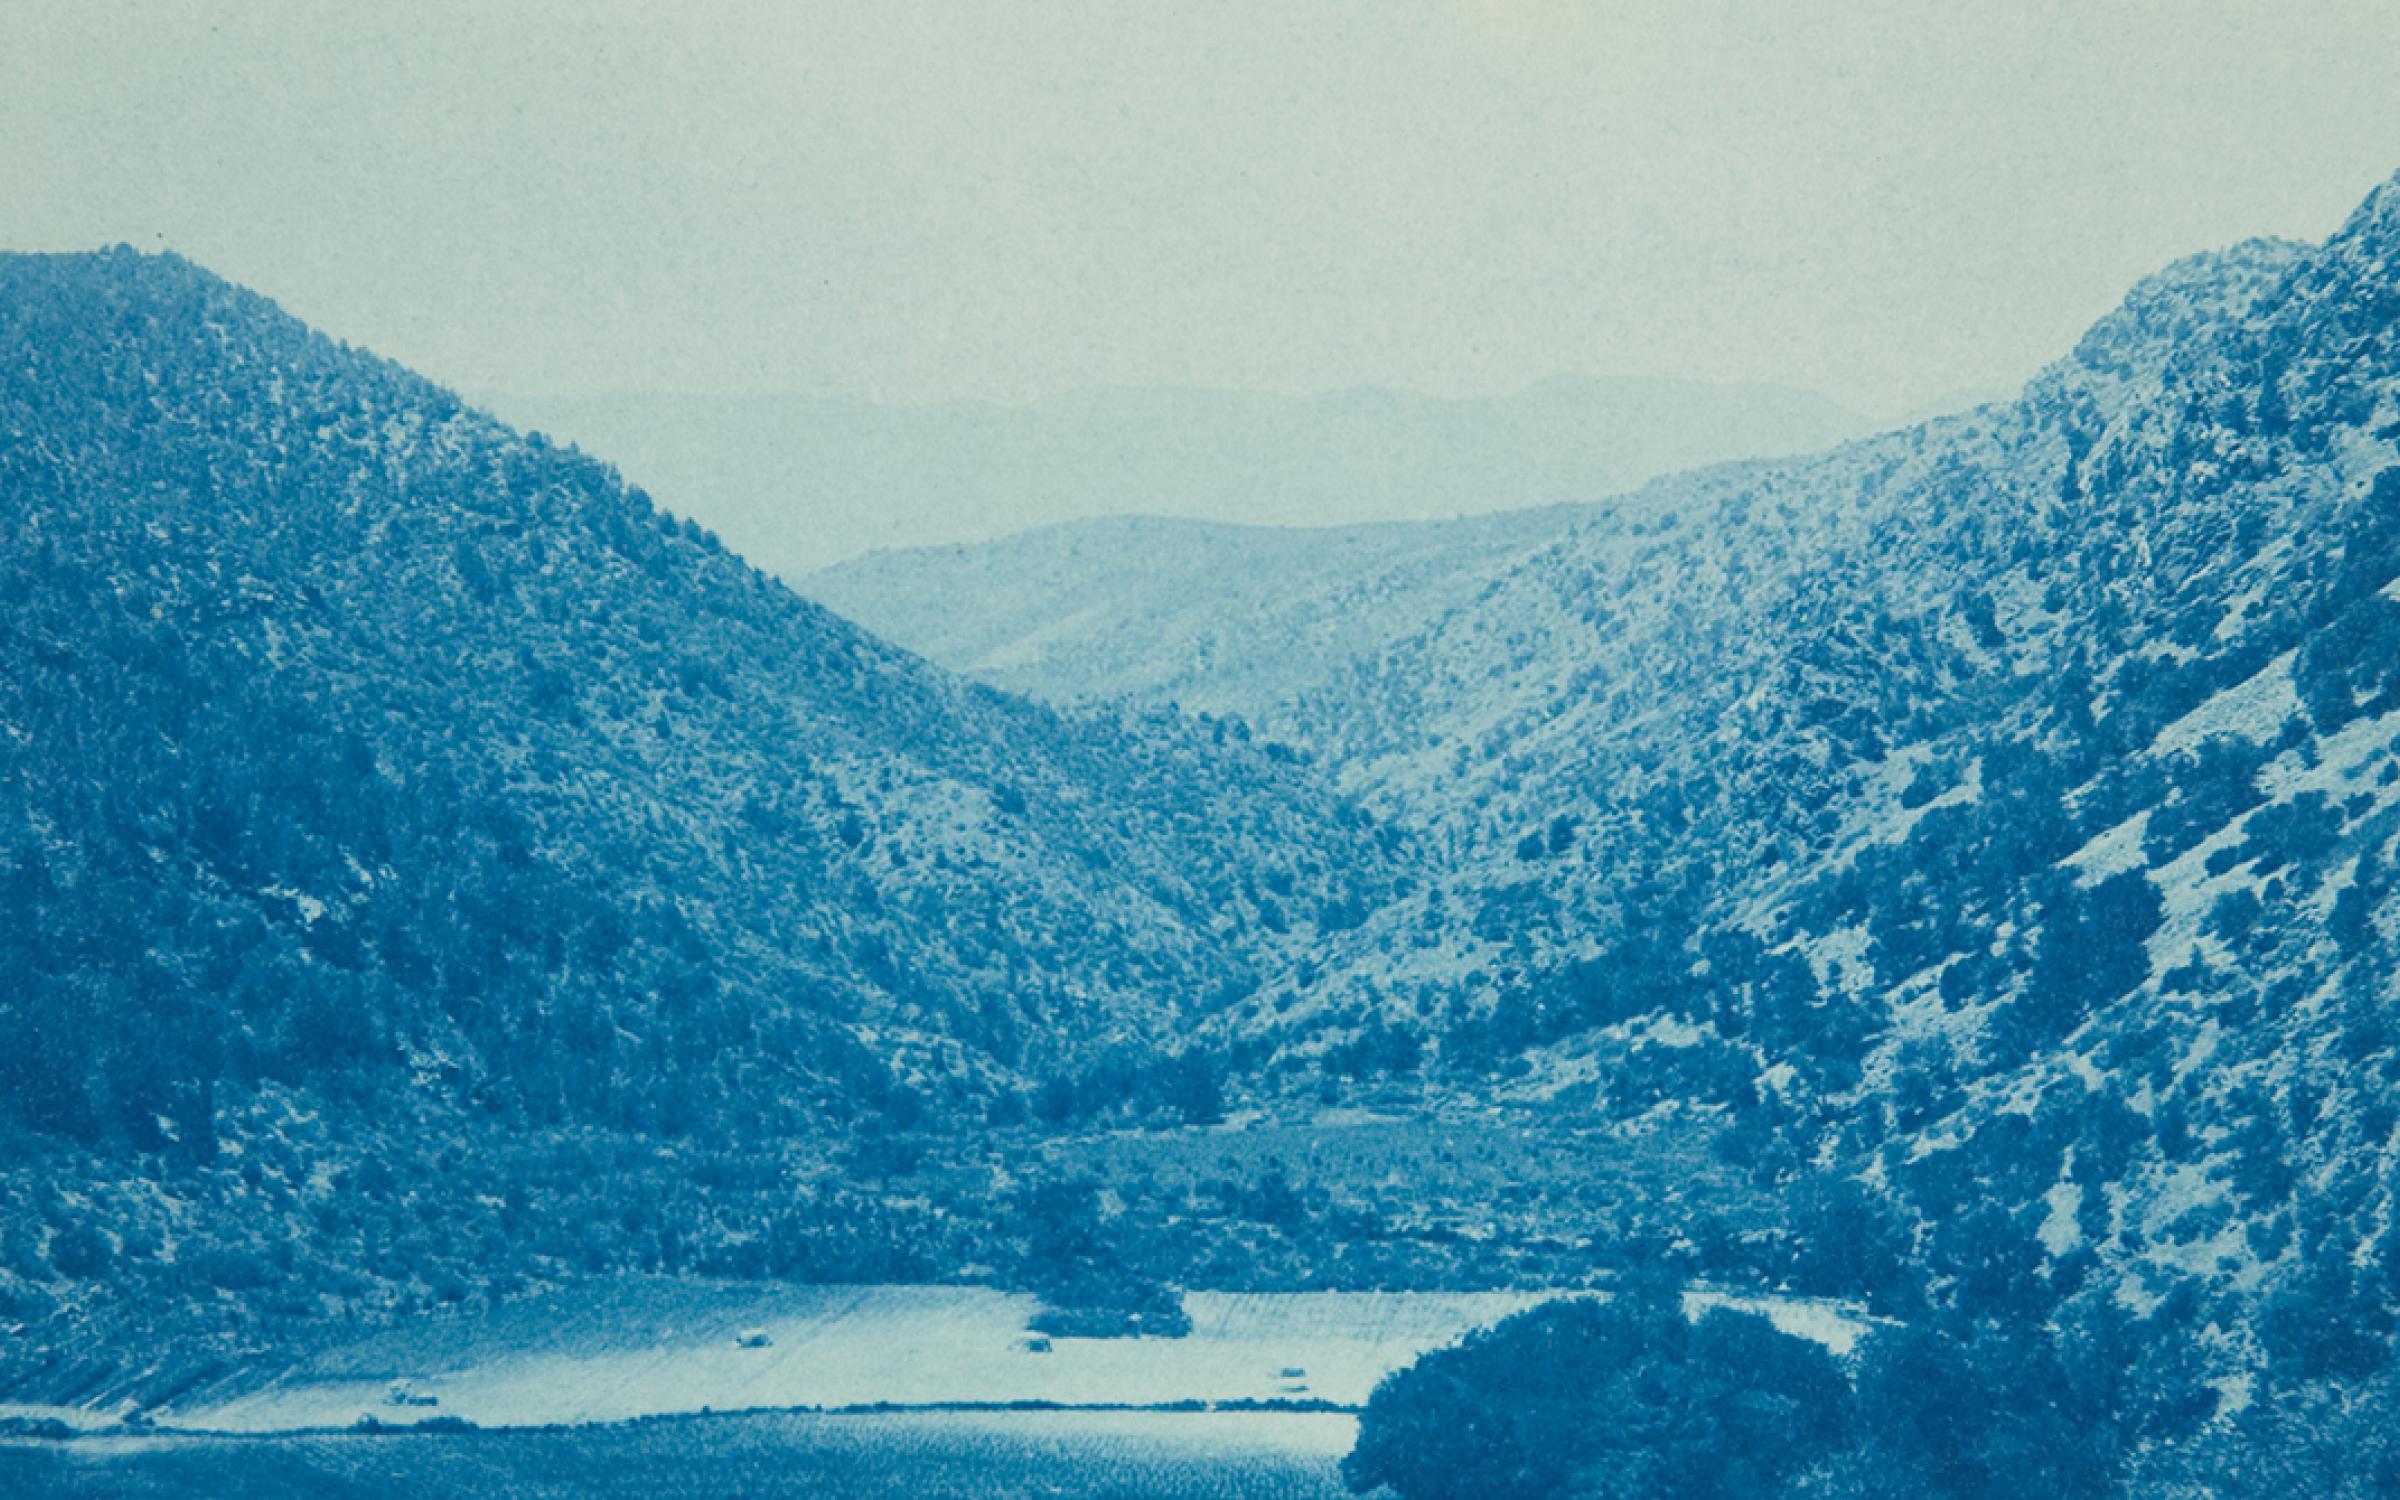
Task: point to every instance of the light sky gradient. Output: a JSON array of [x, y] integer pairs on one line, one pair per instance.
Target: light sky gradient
[[915, 202]]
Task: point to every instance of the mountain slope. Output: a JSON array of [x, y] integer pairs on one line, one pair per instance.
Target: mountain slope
[[349, 733], [1990, 830], [2003, 810], [1243, 620]]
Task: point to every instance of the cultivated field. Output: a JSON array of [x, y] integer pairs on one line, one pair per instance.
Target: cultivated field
[[868, 1456], [644, 1346]]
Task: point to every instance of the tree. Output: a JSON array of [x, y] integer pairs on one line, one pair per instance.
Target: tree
[[1194, 1084], [1618, 1398], [2091, 951], [2005, 1410], [1849, 1242], [2325, 1327]]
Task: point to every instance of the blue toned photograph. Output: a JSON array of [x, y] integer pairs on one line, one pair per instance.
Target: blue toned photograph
[[1423, 750]]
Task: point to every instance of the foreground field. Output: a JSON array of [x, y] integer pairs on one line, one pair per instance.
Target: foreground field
[[867, 1456]]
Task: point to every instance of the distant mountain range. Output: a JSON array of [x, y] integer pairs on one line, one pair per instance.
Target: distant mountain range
[[1248, 620], [798, 483]]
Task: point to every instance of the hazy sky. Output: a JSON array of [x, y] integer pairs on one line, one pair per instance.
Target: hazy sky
[[911, 201]]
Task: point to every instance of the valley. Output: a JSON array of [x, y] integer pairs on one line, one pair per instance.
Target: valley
[[468, 927]]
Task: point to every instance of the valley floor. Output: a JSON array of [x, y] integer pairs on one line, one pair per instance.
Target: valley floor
[[678, 1387]]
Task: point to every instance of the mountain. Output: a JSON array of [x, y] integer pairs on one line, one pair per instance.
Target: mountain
[[1213, 618], [2003, 811], [2001, 814], [384, 689], [375, 772], [798, 483]]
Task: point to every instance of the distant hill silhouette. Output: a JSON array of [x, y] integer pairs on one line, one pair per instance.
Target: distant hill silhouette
[[797, 483]]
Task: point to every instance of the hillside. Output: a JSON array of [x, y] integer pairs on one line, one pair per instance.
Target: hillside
[[377, 778], [1247, 620], [2003, 810], [798, 483]]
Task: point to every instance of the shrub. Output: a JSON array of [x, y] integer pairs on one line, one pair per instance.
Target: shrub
[[82, 1252]]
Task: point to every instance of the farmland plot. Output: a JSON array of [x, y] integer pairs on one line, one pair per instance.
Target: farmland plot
[[642, 1347], [766, 1456]]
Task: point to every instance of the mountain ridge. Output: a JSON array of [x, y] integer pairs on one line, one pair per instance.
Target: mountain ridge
[[1864, 769]]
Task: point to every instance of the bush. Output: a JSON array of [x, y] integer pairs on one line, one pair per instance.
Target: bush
[[231, 1267], [2090, 951], [39, 1429], [82, 1252]]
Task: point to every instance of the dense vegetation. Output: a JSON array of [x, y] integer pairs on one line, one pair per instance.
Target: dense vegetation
[[1625, 1397], [1635, 1397]]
